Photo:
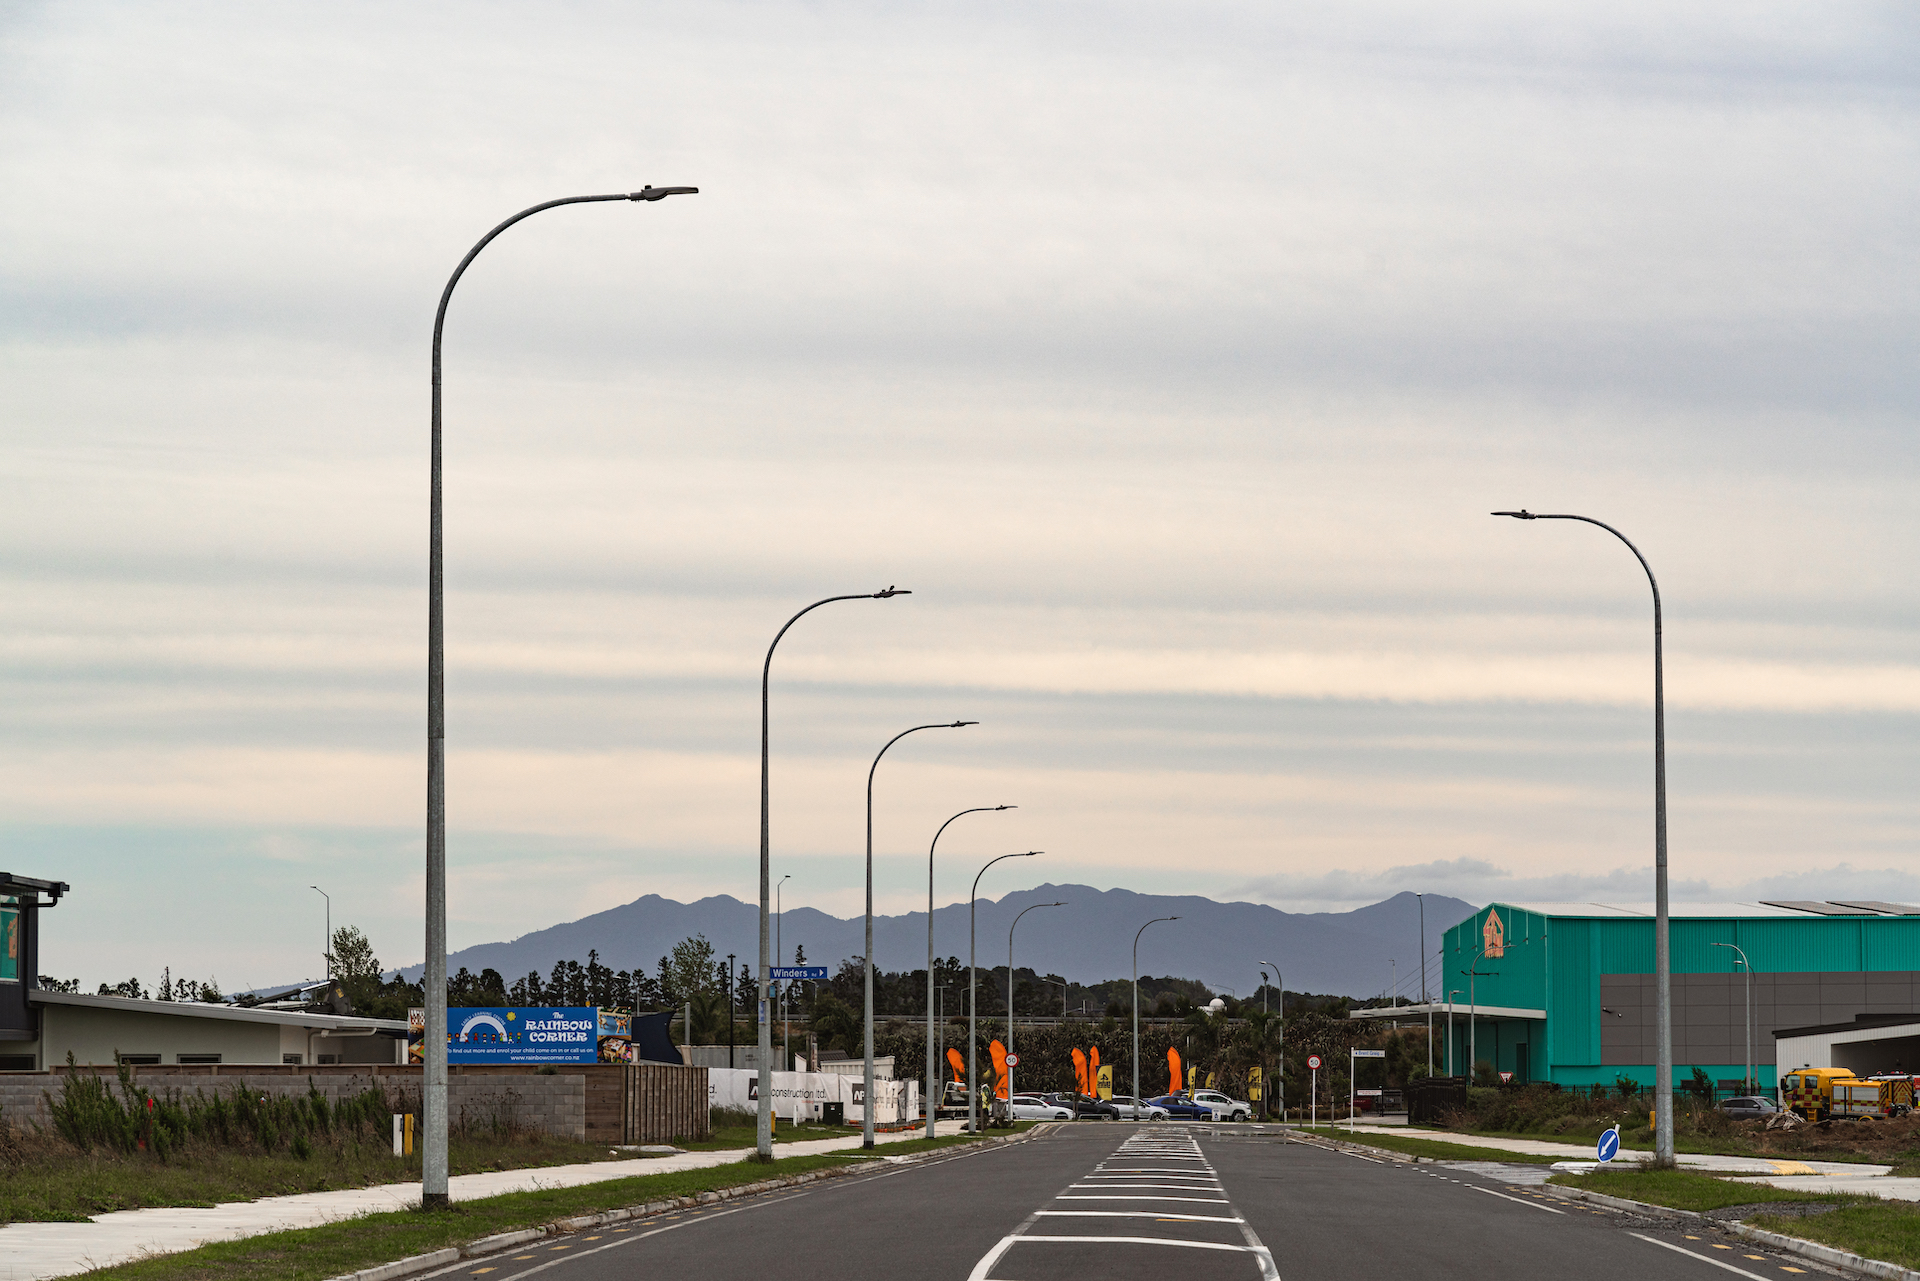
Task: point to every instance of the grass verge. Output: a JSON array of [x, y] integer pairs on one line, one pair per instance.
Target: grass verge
[[1684, 1190], [1438, 1150], [1888, 1230], [311, 1254]]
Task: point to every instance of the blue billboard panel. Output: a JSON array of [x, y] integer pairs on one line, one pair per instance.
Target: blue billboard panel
[[544, 1034]]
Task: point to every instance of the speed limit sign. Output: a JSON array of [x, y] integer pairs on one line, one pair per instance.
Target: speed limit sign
[[1013, 1060], [1313, 1061]]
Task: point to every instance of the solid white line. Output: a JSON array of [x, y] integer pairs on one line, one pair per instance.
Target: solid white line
[[1186, 1245], [1137, 1214], [1517, 1200], [1203, 1200], [992, 1257], [1174, 1187], [1678, 1249]]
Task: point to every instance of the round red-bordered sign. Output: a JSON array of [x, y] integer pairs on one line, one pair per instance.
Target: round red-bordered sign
[[1013, 1060], [1313, 1061]]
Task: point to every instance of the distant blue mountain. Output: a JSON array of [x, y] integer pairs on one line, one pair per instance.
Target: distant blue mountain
[[1224, 945]]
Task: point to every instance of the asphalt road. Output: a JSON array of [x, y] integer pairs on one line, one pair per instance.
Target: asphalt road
[[1124, 1202]]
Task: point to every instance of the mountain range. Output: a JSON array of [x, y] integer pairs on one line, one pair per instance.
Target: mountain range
[[1224, 945]]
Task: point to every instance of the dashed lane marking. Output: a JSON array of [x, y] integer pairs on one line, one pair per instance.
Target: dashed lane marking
[[1516, 1200], [1680, 1249]]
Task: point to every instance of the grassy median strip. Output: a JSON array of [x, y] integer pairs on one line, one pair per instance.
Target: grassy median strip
[[1888, 1230], [1433, 1148], [1685, 1190], [333, 1249]]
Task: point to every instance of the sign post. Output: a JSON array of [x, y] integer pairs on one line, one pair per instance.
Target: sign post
[[1313, 1091], [1353, 1057], [1609, 1146]]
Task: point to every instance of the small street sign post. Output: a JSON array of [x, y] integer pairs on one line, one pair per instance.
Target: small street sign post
[[1313, 1091], [1352, 1064], [1013, 1060], [1609, 1146]]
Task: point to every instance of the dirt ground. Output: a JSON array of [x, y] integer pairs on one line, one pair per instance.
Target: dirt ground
[[1879, 1140]]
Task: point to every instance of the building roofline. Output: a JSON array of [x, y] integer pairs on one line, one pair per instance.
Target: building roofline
[[1440, 1007], [1860, 1023], [12, 886], [339, 1024]]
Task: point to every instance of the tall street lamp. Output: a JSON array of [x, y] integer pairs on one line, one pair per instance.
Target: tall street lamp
[[780, 958], [1136, 1000], [433, 1148], [1748, 1084], [1662, 959], [973, 1031], [1451, 993], [1280, 982], [764, 1128], [327, 953], [866, 1107], [934, 1074], [1010, 929]]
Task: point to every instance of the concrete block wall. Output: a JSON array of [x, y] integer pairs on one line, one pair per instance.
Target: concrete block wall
[[555, 1105]]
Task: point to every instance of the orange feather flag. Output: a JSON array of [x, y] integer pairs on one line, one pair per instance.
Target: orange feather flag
[[999, 1052], [1173, 1069], [1080, 1070], [959, 1064], [1093, 1071]]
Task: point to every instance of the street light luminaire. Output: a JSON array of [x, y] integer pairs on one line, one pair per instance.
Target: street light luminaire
[[651, 192], [1522, 514]]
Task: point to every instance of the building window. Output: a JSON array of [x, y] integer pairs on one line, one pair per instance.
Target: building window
[[185, 1059], [294, 1060], [140, 1060], [16, 1062], [329, 1058]]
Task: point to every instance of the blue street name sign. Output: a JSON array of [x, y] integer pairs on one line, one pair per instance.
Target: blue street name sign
[[798, 971], [1609, 1145]]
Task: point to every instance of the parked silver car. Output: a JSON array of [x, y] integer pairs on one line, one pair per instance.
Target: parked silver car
[[1132, 1109], [1222, 1107], [1031, 1107]]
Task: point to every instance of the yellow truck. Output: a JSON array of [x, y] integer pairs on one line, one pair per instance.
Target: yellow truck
[[1820, 1093]]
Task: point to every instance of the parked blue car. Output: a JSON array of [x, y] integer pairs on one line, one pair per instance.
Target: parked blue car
[[1179, 1106]]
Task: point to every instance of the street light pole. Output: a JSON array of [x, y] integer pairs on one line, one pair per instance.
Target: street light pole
[[973, 1031], [866, 1107], [433, 1101], [934, 1074], [1423, 980], [780, 958], [1010, 930], [1450, 995], [764, 1128], [327, 954], [1662, 958], [1281, 1076], [1136, 1001], [1748, 1084]]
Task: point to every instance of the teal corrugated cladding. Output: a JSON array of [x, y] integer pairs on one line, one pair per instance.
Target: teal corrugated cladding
[[1624, 946], [1786, 946], [1517, 979], [1573, 1028], [1893, 943]]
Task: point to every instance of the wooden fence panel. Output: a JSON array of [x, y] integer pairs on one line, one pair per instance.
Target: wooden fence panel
[[664, 1102]]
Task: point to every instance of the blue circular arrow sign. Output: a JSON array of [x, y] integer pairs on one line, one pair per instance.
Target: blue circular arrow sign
[[1609, 1145]]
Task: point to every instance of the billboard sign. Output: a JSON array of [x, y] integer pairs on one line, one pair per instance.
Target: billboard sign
[[542, 1034]]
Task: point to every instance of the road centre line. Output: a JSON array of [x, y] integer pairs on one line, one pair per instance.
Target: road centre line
[[1680, 1249], [1516, 1200]]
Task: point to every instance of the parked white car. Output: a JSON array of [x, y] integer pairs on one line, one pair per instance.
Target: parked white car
[[1132, 1109], [1031, 1107], [1224, 1108]]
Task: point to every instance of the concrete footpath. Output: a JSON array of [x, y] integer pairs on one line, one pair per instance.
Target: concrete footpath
[[1779, 1172], [31, 1251]]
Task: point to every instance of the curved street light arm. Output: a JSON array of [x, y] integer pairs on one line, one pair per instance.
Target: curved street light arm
[[866, 1109], [1663, 1149], [973, 1032], [764, 1122], [1136, 1002], [934, 1074], [1010, 929], [433, 1068]]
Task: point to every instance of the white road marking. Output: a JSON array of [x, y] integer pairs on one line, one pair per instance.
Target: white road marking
[[1185, 1245], [1668, 1245], [1203, 1200], [1137, 1214], [1517, 1200]]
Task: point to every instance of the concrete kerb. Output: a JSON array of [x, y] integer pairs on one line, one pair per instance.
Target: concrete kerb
[[419, 1263], [1826, 1254]]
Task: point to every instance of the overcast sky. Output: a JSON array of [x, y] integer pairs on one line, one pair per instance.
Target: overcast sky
[[1173, 355]]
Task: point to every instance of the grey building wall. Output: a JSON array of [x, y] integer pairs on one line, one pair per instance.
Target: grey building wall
[[1709, 1019]]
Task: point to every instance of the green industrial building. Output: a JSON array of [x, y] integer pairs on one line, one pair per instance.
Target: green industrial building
[[1564, 992]]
